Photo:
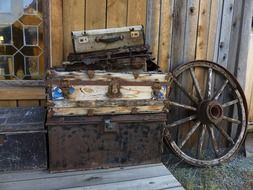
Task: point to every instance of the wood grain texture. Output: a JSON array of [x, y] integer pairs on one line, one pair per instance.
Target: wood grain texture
[[40, 180], [191, 30], [95, 14], [219, 25], [22, 93], [203, 29], [213, 29], [165, 34], [235, 36], [73, 19], [106, 110], [28, 103], [99, 92], [116, 13], [249, 81], [179, 21], [225, 32], [244, 42], [107, 76], [8, 103], [155, 30], [136, 12], [56, 32]]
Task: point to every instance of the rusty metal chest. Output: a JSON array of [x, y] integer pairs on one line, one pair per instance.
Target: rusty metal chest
[[100, 118]]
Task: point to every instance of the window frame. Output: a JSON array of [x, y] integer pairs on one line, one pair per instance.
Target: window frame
[[47, 56]]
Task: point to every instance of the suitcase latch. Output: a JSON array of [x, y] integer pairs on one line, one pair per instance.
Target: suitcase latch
[[109, 126], [83, 39], [156, 88], [114, 89], [135, 34], [65, 85]]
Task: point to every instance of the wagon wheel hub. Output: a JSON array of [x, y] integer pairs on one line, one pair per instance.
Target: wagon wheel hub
[[210, 112]]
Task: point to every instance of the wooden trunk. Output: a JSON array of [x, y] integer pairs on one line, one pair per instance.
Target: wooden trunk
[[22, 139], [104, 141], [99, 93]]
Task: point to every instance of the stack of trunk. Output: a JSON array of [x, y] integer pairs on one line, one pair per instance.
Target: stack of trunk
[[105, 109]]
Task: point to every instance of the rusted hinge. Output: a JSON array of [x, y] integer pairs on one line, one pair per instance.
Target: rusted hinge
[[114, 89]]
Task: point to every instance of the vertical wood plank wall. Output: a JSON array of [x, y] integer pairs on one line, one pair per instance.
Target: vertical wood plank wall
[[178, 31]]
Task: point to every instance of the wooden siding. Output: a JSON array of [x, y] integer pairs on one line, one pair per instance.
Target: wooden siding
[[177, 31]]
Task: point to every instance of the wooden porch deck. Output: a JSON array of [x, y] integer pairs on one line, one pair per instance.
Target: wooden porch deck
[[146, 177]]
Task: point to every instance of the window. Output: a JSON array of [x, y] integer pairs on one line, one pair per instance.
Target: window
[[21, 40]]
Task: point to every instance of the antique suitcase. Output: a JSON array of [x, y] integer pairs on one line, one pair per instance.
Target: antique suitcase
[[112, 38], [22, 139], [114, 49]]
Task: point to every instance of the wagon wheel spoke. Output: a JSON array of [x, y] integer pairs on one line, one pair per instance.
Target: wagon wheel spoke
[[201, 140], [182, 106], [182, 121], [189, 134], [196, 83], [192, 98], [230, 103], [231, 120], [209, 83], [213, 140], [219, 92], [224, 133]]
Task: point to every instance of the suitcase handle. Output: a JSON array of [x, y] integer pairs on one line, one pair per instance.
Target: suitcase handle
[[108, 40]]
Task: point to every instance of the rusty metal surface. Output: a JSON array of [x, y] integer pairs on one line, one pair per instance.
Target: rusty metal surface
[[80, 120], [100, 82], [107, 142], [22, 138], [22, 119], [121, 59], [24, 151], [206, 113]]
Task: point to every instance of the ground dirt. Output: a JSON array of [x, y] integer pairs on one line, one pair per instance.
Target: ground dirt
[[235, 174]]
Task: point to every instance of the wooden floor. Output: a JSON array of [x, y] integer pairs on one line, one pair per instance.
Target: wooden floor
[[153, 176]]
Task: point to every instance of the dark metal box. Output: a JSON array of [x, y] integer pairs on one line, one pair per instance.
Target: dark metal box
[[22, 139], [83, 142]]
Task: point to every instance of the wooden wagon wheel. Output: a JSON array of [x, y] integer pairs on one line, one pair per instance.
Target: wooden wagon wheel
[[207, 114]]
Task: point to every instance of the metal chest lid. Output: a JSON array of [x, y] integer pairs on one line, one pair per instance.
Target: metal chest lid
[[106, 39]]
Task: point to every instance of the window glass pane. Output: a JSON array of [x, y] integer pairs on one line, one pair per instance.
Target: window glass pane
[[31, 65], [6, 66], [5, 6], [7, 50], [19, 66], [30, 6], [31, 35], [5, 34]]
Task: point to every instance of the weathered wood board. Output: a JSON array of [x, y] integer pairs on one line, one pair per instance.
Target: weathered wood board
[[152, 176], [91, 96]]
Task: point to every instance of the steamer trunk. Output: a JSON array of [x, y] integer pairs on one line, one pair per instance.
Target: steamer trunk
[[104, 141]]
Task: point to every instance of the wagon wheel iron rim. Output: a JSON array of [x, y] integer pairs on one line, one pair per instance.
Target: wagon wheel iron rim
[[214, 113]]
